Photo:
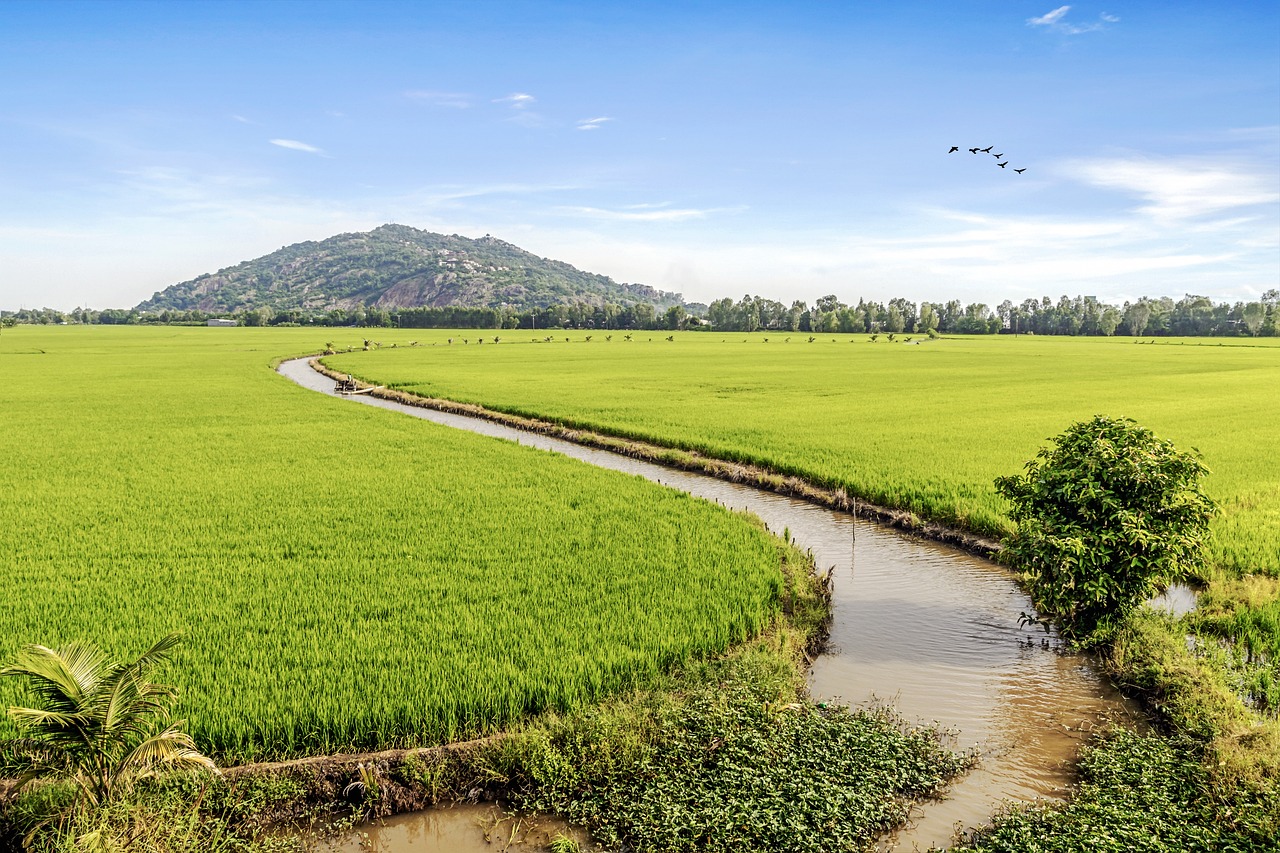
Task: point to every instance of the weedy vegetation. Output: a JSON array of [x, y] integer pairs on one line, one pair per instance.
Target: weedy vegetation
[[1138, 794], [724, 754]]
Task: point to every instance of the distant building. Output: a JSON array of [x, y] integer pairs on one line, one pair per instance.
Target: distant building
[[221, 322]]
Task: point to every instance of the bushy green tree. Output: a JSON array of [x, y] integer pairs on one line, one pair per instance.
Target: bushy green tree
[[1104, 516]]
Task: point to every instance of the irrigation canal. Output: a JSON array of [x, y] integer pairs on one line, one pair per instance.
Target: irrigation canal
[[924, 627]]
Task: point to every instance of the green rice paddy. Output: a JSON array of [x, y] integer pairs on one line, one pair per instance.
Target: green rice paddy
[[346, 577], [924, 426], [352, 578]]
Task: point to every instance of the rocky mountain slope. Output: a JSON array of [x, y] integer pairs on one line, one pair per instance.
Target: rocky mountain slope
[[396, 266]]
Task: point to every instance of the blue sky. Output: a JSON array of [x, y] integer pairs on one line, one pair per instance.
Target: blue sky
[[711, 148]]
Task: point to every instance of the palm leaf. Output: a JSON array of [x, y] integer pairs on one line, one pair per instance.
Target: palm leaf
[[171, 749], [64, 678], [160, 651]]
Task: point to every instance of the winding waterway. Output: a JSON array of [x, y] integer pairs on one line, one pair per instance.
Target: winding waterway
[[924, 627]]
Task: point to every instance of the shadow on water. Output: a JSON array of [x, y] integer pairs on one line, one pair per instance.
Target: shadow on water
[[924, 627]]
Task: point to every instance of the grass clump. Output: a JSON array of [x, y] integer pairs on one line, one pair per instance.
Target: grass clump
[[169, 816], [1241, 619]]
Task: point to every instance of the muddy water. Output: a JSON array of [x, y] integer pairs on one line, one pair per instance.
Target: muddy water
[[928, 629], [462, 828]]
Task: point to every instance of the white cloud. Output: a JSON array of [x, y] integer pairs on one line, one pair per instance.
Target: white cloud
[[456, 100], [1266, 133], [240, 119], [448, 194], [930, 253], [516, 100], [1182, 189], [520, 112], [295, 145], [642, 213], [1049, 18], [592, 123], [1056, 21]]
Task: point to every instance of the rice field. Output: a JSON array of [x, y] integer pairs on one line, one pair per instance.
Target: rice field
[[924, 426], [347, 578]]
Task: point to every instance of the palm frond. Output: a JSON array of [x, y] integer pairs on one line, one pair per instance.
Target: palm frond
[[160, 651], [63, 678], [42, 719], [131, 696], [65, 733], [130, 700], [171, 749]]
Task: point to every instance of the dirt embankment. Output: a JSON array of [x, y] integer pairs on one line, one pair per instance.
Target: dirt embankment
[[376, 784]]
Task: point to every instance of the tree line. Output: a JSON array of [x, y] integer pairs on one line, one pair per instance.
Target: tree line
[[1191, 316]]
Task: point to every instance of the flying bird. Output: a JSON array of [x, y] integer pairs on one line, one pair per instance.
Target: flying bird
[[988, 150]]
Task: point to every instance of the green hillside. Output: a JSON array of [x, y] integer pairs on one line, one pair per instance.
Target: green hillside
[[396, 266]]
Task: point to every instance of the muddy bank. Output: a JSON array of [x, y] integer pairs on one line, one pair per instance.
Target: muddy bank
[[755, 476], [375, 784]]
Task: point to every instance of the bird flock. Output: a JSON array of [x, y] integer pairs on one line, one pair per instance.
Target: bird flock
[[987, 150]]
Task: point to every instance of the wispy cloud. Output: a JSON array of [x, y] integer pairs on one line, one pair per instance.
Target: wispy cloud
[[592, 123], [519, 102], [447, 194], [1182, 189], [295, 145], [642, 213], [240, 119], [455, 100], [1049, 18], [516, 100], [1056, 22]]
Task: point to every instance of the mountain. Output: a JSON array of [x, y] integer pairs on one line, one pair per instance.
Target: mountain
[[396, 266]]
